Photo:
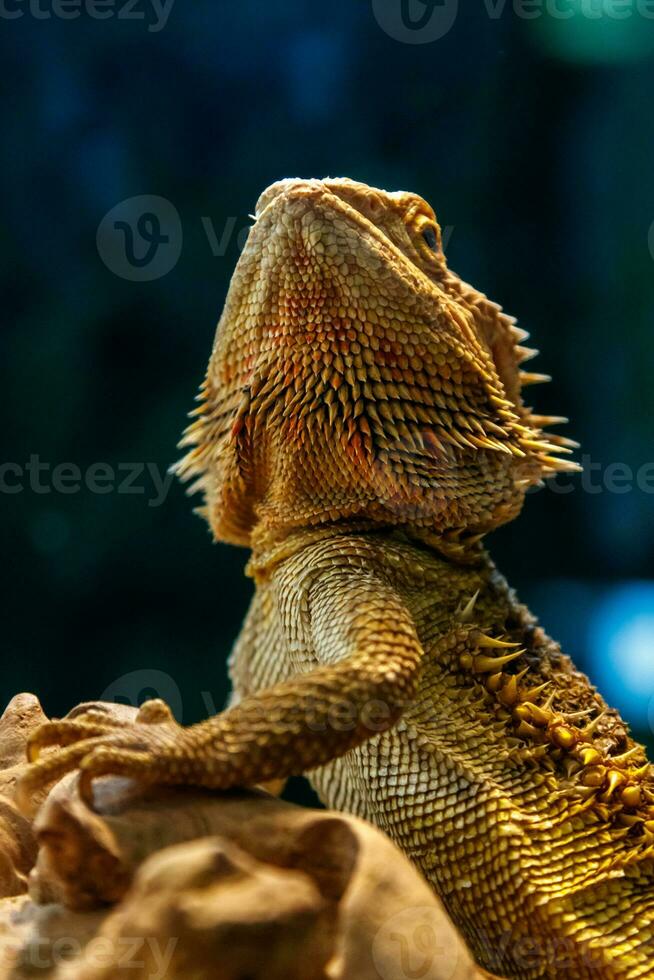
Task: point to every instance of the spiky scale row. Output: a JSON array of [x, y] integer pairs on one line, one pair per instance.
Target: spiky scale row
[[604, 778]]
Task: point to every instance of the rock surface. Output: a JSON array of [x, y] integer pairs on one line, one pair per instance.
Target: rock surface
[[17, 842], [189, 884]]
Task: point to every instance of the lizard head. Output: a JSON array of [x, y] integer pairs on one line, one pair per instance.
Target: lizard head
[[354, 377]]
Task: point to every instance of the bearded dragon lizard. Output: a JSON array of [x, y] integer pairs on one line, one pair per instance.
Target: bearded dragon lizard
[[361, 428]]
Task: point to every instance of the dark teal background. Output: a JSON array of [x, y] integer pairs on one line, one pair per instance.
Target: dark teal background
[[532, 138]]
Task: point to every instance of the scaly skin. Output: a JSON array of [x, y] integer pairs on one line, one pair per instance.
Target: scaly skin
[[361, 428]]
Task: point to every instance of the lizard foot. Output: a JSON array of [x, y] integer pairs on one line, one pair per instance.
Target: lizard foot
[[98, 744]]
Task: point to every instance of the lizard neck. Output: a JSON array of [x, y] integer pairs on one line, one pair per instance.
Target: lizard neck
[[269, 550]]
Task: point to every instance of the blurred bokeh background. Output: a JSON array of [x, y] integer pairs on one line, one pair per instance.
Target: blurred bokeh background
[[529, 129]]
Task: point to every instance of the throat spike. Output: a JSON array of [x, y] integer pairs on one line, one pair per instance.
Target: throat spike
[[531, 378], [563, 441], [544, 421], [526, 354]]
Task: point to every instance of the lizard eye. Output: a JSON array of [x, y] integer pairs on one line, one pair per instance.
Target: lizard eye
[[429, 235]]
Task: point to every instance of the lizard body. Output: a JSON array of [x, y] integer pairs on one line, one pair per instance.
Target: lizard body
[[361, 428]]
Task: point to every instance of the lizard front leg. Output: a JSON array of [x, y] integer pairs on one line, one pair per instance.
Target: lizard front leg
[[285, 730]]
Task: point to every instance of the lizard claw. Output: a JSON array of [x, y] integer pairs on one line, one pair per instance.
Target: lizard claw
[[44, 772], [115, 760], [66, 732]]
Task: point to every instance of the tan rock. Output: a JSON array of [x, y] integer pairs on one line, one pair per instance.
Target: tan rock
[[17, 843], [186, 884], [207, 909], [389, 920]]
